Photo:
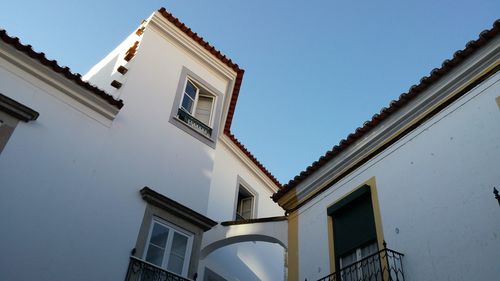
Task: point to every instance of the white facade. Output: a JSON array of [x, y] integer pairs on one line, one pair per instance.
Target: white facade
[[433, 186], [70, 207]]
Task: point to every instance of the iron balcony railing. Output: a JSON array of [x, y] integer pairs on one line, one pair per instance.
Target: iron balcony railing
[[385, 265], [139, 270], [194, 123]]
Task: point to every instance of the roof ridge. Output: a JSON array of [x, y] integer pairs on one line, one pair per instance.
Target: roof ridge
[[425, 82]]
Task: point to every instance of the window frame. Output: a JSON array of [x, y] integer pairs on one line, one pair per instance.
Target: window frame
[[240, 183], [204, 89], [174, 214], [369, 186], [166, 256], [200, 92]]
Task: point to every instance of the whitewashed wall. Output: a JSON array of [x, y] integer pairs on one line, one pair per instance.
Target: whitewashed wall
[[434, 185], [70, 207], [248, 260], [224, 187]]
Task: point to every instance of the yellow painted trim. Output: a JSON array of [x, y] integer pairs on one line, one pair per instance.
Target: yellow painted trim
[[376, 212], [293, 246], [331, 247], [396, 134], [377, 217]]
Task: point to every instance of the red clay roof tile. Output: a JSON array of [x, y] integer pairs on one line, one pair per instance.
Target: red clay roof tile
[[75, 77], [413, 92]]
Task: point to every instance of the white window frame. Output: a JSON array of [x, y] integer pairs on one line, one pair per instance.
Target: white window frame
[[216, 110], [240, 183], [200, 91], [172, 229]]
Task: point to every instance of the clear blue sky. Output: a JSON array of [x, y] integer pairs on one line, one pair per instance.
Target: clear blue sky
[[315, 70]]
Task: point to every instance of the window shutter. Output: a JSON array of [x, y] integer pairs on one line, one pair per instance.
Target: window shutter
[[246, 208], [204, 109], [353, 222]]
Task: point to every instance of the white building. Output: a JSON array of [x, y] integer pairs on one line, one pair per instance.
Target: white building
[[418, 176], [140, 177], [146, 167]]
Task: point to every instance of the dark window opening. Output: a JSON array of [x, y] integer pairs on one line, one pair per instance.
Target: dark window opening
[[244, 208]]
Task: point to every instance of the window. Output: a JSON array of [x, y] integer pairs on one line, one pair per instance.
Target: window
[[169, 247], [11, 112], [197, 108], [354, 236], [169, 240], [244, 206]]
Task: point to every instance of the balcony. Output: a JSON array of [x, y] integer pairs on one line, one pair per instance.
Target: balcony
[[139, 270], [385, 265], [194, 123]]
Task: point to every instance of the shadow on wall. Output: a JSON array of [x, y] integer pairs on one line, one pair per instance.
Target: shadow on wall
[[238, 239], [107, 71], [246, 262]]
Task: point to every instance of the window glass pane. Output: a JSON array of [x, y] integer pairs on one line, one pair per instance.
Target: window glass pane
[[159, 235], [177, 253], [187, 103], [246, 208], [155, 255], [369, 250], [179, 244], [191, 90], [348, 259], [175, 264]]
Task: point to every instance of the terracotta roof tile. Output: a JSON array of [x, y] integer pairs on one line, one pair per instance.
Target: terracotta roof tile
[[395, 105], [251, 157], [75, 77]]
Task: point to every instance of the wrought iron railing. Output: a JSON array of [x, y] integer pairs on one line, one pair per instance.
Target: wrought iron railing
[[139, 270], [194, 123], [385, 265]]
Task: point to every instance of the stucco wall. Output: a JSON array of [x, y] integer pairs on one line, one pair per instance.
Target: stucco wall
[[435, 186], [224, 187], [70, 202], [247, 260], [69, 198]]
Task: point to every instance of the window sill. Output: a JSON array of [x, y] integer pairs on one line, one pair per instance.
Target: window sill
[[210, 141]]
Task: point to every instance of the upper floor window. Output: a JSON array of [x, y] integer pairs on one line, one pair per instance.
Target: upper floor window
[[245, 204], [198, 104], [197, 108]]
